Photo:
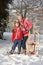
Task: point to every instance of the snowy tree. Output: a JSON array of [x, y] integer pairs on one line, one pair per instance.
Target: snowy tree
[[22, 6], [28, 8]]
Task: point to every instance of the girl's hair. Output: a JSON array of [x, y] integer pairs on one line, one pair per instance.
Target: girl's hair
[[15, 24]]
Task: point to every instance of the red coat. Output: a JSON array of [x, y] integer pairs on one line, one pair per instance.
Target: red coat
[[27, 25], [17, 34]]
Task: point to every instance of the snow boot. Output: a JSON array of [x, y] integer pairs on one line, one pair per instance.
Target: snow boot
[[24, 52], [11, 52]]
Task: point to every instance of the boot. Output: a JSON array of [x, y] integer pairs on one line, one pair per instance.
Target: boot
[[24, 51], [11, 52], [18, 52]]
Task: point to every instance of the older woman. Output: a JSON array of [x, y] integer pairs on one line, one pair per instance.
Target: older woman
[[26, 25]]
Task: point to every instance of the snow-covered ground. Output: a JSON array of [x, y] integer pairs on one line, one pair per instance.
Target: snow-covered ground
[[16, 59]]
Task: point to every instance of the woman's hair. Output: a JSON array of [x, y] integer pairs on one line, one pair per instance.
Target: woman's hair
[[20, 15]]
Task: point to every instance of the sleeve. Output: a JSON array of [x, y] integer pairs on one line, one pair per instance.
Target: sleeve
[[25, 32], [12, 37], [29, 24]]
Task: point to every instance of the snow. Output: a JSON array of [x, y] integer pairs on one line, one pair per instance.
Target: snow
[[15, 59]]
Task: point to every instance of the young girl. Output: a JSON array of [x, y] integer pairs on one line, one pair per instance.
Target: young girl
[[17, 37]]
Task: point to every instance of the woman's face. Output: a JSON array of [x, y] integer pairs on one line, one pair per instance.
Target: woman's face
[[19, 18]]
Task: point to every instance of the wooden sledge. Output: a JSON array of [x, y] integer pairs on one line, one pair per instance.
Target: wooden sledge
[[33, 47]]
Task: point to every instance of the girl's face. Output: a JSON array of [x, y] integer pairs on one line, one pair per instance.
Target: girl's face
[[17, 24]]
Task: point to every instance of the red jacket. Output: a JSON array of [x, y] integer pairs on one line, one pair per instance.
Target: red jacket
[[17, 34], [26, 24]]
